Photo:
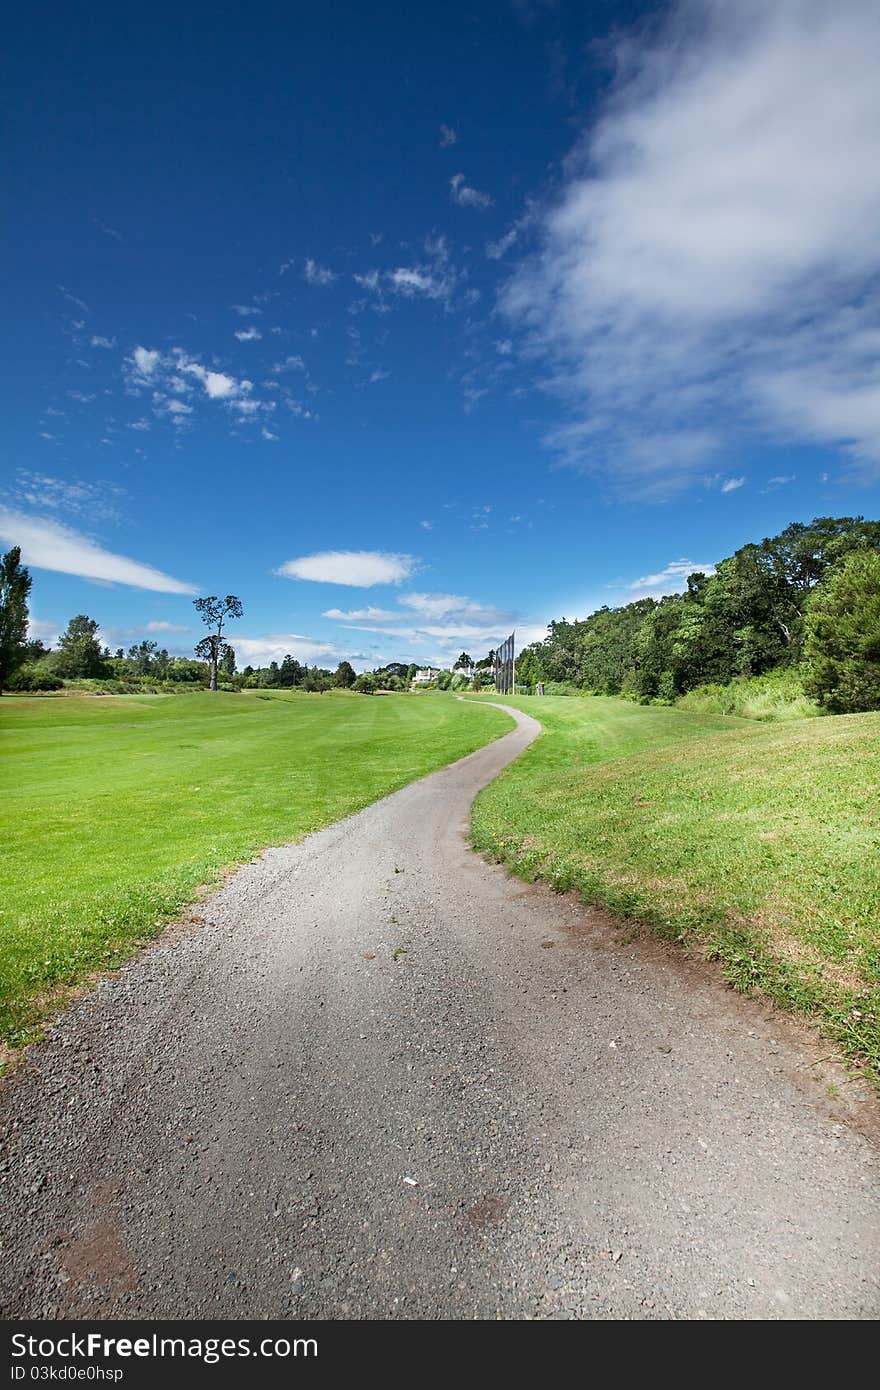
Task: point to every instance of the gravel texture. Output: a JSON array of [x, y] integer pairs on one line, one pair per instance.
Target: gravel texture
[[375, 1077]]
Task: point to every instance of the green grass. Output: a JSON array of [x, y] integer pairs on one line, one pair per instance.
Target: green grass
[[115, 810], [757, 844]]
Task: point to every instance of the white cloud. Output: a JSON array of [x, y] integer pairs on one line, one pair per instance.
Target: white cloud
[[358, 568], [161, 626], [43, 630], [259, 651], [248, 335], [145, 362], [408, 280], [363, 615], [99, 341], [245, 311], [448, 136], [731, 484], [318, 274], [496, 249], [46, 544], [293, 363], [467, 197], [671, 580], [711, 267]]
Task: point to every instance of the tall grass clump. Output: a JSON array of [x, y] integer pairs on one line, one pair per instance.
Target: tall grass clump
[[778, 695]]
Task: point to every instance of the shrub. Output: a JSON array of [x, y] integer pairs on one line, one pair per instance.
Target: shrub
[[777, 695], [365, 684], [34, 678]]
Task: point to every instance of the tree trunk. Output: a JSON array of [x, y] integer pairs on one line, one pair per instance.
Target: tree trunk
[[213, 685]]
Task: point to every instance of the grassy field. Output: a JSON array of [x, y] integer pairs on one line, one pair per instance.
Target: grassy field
[[757, 844], [115, 810]]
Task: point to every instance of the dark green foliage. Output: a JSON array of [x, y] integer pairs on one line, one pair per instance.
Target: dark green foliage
[[79, 651], [365, 684], [15, 585], [843, 636], [33, 678], [345, 675], [745, 620]]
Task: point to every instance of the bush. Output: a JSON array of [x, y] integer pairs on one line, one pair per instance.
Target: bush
[[843, 636], [365, 684], [34, 678], [777, 695]]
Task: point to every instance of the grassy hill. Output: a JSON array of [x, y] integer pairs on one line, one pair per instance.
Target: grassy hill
[[115, 810], [758, 844]]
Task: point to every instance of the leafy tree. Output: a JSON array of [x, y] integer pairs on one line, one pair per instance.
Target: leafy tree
[[365, 684], [317, 681], [15, 585], [227, 661], [464, 660], [345, 675], [215, 613], [79, 651], [444, 680], [291, 673], [141, 657], [843, 636]]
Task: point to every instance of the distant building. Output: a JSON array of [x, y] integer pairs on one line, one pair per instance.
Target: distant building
[[425, 675]]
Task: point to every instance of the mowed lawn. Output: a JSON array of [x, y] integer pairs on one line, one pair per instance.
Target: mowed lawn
[[115, 809], [758, 844]]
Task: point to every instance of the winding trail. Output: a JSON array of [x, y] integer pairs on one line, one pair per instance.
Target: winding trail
[[593, 1127]]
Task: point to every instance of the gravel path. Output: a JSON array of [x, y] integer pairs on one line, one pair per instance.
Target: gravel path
[[376, 1077]]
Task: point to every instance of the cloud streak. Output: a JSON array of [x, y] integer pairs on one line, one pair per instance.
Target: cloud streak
[[709, 270], [359, 569], [46, 544]]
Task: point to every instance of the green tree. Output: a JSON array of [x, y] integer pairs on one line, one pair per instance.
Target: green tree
[[79, 651], [464, 660], [227, 661], [365, 684], [444, 680], [345, 675], [215, 613], [15, 585], [843, 636], [141, 657]]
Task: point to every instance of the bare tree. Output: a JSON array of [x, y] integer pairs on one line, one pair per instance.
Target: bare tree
[[214, 613]]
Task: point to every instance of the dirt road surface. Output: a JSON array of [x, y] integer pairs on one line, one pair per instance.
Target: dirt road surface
[[381, 1079]]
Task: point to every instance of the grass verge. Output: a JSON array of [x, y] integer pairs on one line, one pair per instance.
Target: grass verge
[[115, 810], [757, 844]]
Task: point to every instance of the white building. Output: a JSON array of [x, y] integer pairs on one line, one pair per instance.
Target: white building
[[425, 675]]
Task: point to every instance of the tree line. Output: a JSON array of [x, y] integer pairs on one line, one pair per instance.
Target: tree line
[[806, 598]]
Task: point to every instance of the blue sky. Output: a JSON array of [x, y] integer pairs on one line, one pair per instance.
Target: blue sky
[[412, 326]]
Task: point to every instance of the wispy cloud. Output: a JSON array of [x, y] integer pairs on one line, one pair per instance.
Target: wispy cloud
[[46, 544], [316, 274], [359, 568], [80, 303], [72, 496], [248, 335], [671, 580], [161, 626], [108, 230], [711, 266], [246, 311], [99, 341], [467, 197], [448, 136], [731, 484], [363, 615]]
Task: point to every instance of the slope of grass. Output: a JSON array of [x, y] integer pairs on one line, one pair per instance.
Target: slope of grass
[[758, 844], [114, 810]]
